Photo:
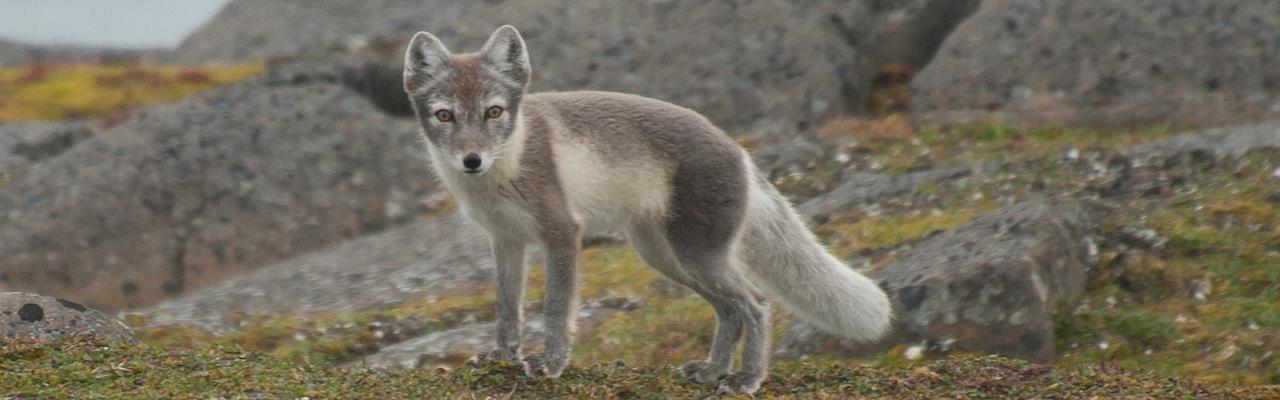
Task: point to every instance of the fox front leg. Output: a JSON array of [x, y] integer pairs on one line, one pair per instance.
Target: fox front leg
[[559, 302], [508, 255]]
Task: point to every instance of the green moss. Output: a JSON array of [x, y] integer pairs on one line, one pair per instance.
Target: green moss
[[1143, 327], [81, 368], [846, 239], [55, 91], [663, 331], [614, 270], [1222, 232]]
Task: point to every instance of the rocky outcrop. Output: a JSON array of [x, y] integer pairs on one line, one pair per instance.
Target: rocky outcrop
[[764, 67], [859, 187], [15, 53], [29, 315], [438, 257], [1220, 142], [990, 285], [448, 347], [1107, 62], [1164, 166], [26, 143], [12, 53], [188, 193]]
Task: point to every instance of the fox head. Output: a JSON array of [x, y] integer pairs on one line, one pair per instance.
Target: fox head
[[468, 104]]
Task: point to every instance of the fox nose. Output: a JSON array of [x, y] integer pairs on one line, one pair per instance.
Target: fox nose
[[471, 161]]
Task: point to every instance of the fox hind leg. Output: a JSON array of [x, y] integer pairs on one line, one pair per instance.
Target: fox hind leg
[[652, 246], [707, 207], [739, 313]]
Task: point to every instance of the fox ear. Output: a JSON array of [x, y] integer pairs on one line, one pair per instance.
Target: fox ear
[[505, 51], [424, 60]]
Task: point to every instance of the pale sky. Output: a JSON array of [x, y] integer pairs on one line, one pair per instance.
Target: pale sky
[[104, 23]]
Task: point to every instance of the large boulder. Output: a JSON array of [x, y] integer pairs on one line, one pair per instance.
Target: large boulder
[[188, 193], [1107, 62], [436, 257], [990, 285], [32, 316], [759, 66]]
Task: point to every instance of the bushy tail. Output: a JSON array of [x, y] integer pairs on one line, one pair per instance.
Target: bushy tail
[[786, 261]]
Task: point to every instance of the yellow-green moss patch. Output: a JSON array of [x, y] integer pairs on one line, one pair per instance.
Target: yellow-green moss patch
[[56, 91]]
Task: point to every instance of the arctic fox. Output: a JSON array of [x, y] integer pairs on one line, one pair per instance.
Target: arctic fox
[[545, 168]]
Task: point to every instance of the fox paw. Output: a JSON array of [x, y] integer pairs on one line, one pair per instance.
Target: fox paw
[[740, 382], [502, 355], [495, 356], [699, 371], [543, 364]]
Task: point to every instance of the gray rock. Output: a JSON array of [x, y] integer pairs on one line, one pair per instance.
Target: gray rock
[[767, 67], [795, 153], [1107, 62], [859, 187], [29, 315], [437, 257], [989, 285], [16, 54], [12, 53], [188, 193], [25, 143], [448, 347], [1151, 168], [1221, 142]]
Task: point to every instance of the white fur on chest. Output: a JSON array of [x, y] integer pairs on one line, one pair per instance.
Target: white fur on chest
[[489, 199]]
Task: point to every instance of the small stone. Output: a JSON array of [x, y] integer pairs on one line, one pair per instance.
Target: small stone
[[842, 157], [914, 352], [945, 344], [1071, 153], [1228, 351], [1274, 198], [1200, 289], [1091, 251]]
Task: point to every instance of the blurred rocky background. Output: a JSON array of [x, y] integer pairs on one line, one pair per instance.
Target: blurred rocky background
[[1065, 182]]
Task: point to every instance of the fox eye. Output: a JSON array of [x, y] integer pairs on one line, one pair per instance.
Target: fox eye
[[444, 116], [493, 112]]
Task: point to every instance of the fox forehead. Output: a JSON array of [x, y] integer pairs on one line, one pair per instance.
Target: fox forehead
[[468, 83]]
